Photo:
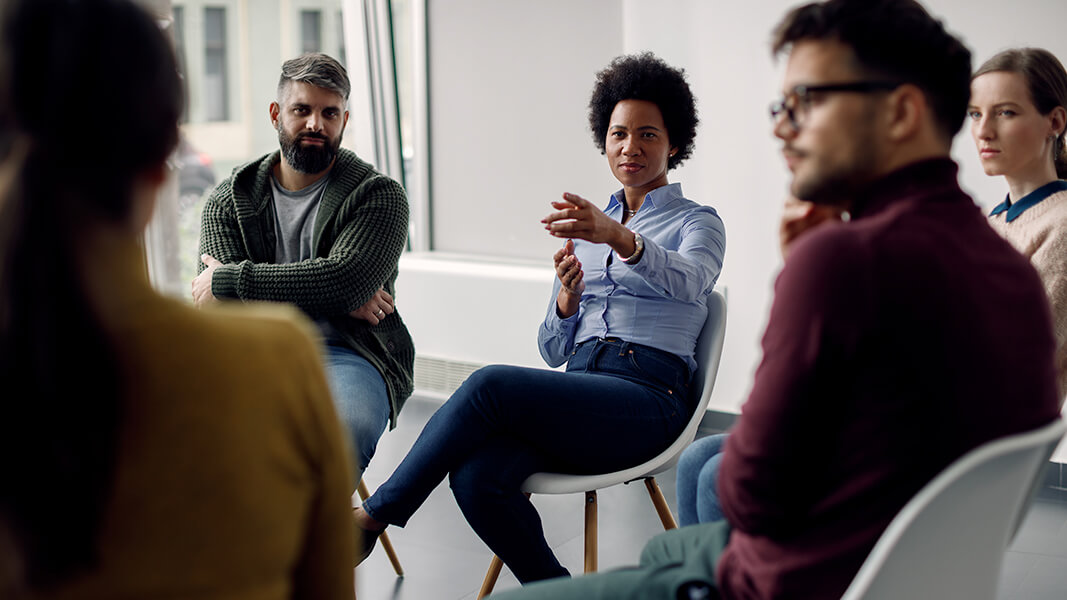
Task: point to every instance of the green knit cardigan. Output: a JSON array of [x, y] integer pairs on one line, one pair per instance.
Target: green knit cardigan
[[360, 231]]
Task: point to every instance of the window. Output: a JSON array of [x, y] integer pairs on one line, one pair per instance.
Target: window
[[179, 51], [407, 38], [225, 124], [341, 38], [311, 31], [216, 94]]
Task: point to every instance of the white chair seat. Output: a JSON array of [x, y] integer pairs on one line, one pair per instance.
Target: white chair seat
[[562, 483]]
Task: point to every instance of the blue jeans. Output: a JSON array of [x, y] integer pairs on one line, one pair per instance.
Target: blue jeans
[[698, 470], [617, 405], [361, 399]]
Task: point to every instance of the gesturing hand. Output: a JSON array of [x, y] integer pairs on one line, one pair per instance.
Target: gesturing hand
[[569, 271], [799, 217], [375, 309], [576, 218], [202, 283]]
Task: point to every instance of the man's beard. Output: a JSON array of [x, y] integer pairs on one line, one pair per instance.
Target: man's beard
[[837, 185], [308, 159], [833, 188]]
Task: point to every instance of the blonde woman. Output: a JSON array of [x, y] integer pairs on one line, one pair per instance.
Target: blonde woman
[[1018, 113]]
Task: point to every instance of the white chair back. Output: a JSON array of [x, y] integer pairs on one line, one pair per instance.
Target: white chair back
[[949, 540], [708, 355]]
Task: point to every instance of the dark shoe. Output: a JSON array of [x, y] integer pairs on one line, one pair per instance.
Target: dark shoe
[[365, 540]]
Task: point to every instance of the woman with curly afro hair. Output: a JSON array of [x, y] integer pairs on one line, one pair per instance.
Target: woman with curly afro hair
[[629, 300]]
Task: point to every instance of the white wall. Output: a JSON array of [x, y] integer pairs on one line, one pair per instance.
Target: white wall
[[509, 84], [724, 47], [473, 311]]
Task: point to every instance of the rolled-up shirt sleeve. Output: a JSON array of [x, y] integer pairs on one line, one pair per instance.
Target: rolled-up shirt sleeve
[[688, 273]]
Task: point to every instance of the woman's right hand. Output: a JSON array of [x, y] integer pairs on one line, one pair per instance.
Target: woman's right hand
[[569, 272]]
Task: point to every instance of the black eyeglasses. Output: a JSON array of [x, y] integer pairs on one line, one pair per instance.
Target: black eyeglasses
[[796, 103]]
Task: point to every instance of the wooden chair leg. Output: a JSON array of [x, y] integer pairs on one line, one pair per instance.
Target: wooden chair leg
[[390, 552], [660, 503], [590, 532], [493, 573], [386, 543], [662, 509], [490, 577]]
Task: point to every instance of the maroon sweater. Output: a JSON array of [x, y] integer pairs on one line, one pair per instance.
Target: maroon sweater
[[897, 342]]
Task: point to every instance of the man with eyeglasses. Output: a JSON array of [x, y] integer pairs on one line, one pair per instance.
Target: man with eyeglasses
[[903, 333]]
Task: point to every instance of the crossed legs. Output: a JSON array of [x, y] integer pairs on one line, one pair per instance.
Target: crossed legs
[[505, 423]]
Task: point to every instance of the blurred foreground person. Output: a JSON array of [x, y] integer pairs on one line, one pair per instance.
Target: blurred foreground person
[[137, 461]]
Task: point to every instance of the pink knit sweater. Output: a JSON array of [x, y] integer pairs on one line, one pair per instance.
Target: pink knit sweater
[[1040, 234]]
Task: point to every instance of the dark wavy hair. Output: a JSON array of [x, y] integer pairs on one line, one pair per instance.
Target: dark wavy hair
[[90, 99], [895, 40], [646, 77], [1045, 79]]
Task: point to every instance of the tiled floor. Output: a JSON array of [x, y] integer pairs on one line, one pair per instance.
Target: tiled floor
[[1035, 567], [444, 560]]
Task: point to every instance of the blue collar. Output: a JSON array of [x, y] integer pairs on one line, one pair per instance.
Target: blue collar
[[1032, 199], [663, 194]]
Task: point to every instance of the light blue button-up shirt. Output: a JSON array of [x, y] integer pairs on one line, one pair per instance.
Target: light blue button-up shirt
[[662, 300]]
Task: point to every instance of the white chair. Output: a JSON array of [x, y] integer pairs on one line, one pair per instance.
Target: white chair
[[708, 353], [949, 540]]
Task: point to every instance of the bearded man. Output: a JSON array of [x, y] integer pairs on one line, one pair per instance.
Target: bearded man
[[314, 226]]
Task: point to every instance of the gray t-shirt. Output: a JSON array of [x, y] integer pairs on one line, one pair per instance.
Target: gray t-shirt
[[294, 220], [294, 226]]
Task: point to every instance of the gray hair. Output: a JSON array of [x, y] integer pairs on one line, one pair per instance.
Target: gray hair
[[317, 69]]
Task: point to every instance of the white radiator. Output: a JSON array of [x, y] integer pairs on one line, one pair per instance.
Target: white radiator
[[438, 377]]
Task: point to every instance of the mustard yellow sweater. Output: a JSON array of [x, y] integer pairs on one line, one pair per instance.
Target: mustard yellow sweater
[[1040, 233], [233, 479]]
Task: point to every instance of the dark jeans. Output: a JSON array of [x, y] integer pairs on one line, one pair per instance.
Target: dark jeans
[[617, 405]]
